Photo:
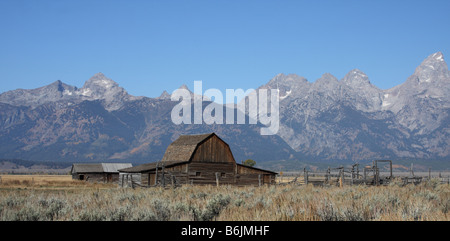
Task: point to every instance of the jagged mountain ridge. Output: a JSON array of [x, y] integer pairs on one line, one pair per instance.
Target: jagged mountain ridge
[[326, 120], [98, 87], [316, 117], [82, 126]]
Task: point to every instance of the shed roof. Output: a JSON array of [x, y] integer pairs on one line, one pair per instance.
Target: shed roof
[[98, 167], [150, 166], [255, 168], [115, 167]]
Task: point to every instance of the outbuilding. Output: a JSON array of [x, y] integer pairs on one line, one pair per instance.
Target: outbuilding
[[98, 172], [197, 159]]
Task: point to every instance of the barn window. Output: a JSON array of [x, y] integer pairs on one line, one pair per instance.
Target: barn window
[[81, 177], [198, 174], [222, 174]]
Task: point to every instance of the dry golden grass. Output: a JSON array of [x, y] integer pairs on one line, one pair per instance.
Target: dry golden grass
[[46, 182], [64, 199]]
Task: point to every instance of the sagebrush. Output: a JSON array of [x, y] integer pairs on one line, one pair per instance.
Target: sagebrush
[[428, 201]]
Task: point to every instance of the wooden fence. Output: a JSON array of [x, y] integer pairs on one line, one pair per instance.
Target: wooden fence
[[354, 175]]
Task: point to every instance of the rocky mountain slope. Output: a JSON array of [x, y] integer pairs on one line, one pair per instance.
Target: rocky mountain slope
[[352, 119], [102, 122], [327, 120]]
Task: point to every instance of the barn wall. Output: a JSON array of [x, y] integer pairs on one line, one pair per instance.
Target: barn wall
[[205, 173], [145, 179], [194, 173], [247, 179], [97, 177], [254, 179], [213, 150], [91, 177], [197, 173], [249, 176]]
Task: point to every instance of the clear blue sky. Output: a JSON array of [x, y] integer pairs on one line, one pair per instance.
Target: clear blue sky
[[151, 46]]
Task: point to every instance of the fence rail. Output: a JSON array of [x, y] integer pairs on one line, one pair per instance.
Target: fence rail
[[369, 175]]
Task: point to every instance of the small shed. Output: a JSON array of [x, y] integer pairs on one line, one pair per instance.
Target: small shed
[[198, 159], [98, 172]]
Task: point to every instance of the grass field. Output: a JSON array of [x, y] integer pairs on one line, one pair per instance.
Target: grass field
[[46, 182], [36, 179], [60, 198]]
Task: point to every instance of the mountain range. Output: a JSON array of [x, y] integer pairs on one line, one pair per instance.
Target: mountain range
[[326, 121]]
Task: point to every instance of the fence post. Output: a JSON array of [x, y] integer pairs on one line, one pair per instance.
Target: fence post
[[156, 174], [365, 175], [376, 176], [305, 175], [217, 178], [132, 185], [357, 170], [259, 180], [353, 173], [390, 166], [163, 180]]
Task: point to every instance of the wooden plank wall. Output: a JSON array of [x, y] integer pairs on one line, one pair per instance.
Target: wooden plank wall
[[213, 150], [205, 174], [97, 177], [93, 177]]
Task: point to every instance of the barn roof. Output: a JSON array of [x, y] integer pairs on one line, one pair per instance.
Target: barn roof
[[182, 149], [99, 167], [178, 152], [86, 168]]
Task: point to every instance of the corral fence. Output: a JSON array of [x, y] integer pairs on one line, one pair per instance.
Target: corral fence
[[356, 175]]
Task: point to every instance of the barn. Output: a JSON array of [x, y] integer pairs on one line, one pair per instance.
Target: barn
[[197, 159], [98, 172]]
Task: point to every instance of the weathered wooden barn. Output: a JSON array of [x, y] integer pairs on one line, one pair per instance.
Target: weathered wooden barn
[[98, 172], [197, 159]]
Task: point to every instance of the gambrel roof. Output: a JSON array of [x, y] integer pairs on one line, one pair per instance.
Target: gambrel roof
[[178, 152], [182, 149]]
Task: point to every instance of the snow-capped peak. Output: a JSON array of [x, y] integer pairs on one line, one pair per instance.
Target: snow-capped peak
[[432, 68], [100, 80], [356, 78]]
